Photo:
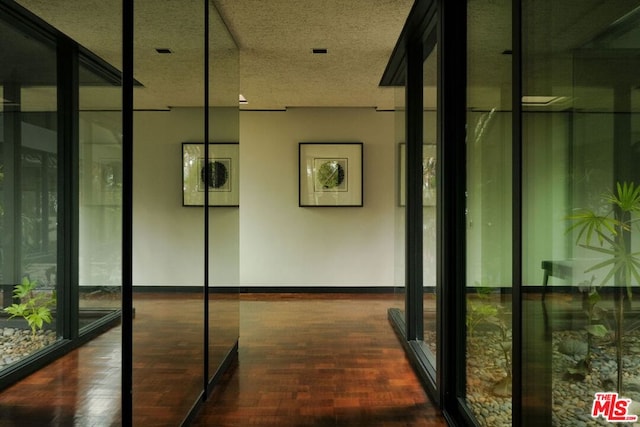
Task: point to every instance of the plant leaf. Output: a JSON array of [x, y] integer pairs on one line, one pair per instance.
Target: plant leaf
[[598, 330], [589, 223], [627, 197], [16, 309]]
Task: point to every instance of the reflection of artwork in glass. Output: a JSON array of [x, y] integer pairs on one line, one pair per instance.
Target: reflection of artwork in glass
[[111, 171], [219, 180], [429, 173], [105, 186], [219, 172], [330, 174], [429, 180]]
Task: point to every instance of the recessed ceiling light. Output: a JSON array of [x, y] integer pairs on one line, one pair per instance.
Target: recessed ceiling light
[[163, 50], [319, 50]]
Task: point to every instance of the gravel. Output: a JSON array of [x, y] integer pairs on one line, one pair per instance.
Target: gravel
[[572, 398], [16, 343]]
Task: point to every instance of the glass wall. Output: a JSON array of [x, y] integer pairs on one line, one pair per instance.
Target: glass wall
[[100, 196], [61, 201], [168, 240], [546, 314], [401, 213], [488, 280], [57, 230], [580, 133], [224, 221], [29, 188], [422, 319], [429, 204], [186, 256], [415, 317]]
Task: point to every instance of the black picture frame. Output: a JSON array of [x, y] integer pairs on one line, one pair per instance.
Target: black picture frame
[[330, 174], [223, 182]]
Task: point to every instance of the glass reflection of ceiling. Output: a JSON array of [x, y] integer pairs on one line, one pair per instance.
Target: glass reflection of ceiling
[[29, 66], [605, 67], [624, 33], [26, 60]]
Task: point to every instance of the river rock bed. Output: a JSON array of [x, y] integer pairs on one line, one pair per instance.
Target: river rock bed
[[16, 343], [572, 398]]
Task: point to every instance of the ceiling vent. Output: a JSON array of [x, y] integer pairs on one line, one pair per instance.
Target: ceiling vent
[[318, 51]]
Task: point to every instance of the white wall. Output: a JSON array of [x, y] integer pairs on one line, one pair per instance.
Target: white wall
[[168, 240], [280, 244]]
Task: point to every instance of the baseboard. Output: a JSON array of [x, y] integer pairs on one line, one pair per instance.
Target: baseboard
[[316, 289], [272, 289]]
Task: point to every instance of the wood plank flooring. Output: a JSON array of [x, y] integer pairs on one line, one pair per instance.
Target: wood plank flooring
[[304, 360], [319, 360], [80, 389]]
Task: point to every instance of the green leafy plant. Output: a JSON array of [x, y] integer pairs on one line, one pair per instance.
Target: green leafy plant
[[608, 233], [479, 310], [34, 307]]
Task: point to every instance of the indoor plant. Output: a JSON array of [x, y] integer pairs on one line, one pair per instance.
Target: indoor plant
[[608, 232]]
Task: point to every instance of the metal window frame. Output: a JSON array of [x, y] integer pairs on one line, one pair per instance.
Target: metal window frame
[[68, 57]]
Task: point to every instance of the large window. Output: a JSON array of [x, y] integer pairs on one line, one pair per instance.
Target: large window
[[488, 280], [540, 323], [580, 131], [66, 215], [59, 239], [99, 197], [29, 196]]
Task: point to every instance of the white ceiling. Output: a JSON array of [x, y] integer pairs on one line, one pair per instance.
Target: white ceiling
[[275, 38]]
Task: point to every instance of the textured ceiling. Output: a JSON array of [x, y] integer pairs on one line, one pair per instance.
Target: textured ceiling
[[574, 48], [275, 38]]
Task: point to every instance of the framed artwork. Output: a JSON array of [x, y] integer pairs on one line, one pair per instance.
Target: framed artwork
[[330, 174], [223, 178], [429, 162]]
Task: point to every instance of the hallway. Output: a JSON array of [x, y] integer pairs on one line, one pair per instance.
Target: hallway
[[304, 360], [319, 360]]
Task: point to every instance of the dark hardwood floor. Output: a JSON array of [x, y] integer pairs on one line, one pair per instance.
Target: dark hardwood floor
[[304, 360], [319, 360]]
